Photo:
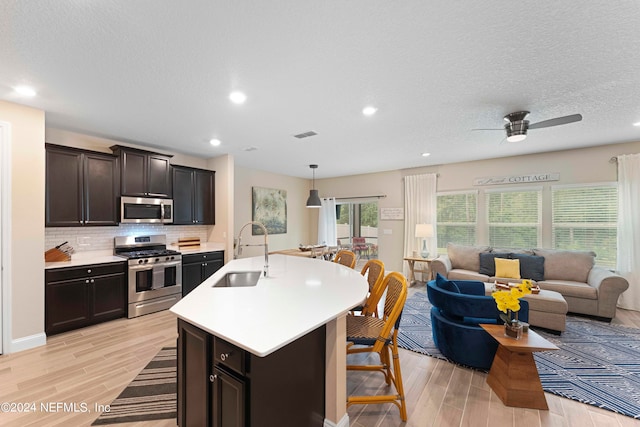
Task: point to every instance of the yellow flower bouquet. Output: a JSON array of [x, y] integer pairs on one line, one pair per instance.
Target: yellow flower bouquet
[[508, 302]]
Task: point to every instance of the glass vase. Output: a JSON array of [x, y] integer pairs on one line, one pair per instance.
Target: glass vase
[[513, 330]]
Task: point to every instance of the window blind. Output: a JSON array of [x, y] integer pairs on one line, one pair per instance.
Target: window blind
[[514, 218], [585, 218], [457, 219]]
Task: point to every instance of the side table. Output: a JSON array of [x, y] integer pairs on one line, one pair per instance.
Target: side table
[[513, 375], [412, 270]]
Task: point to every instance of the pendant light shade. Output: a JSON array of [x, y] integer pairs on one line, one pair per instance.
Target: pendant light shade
[[314, 200]]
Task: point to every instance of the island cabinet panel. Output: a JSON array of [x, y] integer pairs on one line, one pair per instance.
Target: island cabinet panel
[[193, 196], [81, 296], [196, 268], [81, 188], [285, 388], [144, 173]]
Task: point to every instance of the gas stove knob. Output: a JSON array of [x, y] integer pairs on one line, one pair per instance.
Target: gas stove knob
[[157, 259], [146, 261], [140, 261]]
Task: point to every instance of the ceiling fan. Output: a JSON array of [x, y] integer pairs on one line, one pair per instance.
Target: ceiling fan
[[517, 125]]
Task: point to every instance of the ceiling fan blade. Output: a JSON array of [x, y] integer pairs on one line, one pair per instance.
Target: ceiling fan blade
[[557, 121], [488, 129]]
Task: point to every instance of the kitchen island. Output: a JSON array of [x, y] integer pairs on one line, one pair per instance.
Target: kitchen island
[[252, 353]]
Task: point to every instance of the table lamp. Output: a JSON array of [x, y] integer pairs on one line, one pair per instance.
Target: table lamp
[[424, 231]]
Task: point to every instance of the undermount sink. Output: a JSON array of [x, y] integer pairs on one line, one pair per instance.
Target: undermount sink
[[234, 279]]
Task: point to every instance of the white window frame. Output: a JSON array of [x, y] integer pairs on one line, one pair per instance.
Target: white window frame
[[612, 225], [538, 225], [443, 249]]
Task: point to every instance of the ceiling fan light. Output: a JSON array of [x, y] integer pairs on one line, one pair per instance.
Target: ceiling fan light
[[516, 138]]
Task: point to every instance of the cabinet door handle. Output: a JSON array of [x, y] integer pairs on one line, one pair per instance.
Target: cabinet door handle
[[86, 281], [212, 378], [224, 356], [92, 281], [89, 271]]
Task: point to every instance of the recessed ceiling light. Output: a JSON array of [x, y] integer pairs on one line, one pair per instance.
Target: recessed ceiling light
[[25, 90], [369, 111], [237, 97], [425, 154], [215, 142], [637, 124]]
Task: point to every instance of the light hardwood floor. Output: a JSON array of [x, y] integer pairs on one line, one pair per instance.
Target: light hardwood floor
[[93, 365]]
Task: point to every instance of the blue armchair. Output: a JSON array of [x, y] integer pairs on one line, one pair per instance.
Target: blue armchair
[[458, 308]]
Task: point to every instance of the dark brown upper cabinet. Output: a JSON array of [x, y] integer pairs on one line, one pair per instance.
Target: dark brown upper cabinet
[[81, 187], [144, 173], [193, 196]]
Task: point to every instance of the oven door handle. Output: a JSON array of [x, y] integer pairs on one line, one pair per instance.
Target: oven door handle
[[150, 266]]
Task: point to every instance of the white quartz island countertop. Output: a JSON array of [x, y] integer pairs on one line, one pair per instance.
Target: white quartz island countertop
[[298, 296]]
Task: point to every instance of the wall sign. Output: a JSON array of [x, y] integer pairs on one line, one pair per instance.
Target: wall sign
[[391, 213], [517, 179]]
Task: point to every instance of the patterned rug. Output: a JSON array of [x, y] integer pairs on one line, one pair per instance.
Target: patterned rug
[[150, 396], [597, 364]]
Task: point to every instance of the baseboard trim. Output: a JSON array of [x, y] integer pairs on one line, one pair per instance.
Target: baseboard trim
[[344, 422], [26, 343]]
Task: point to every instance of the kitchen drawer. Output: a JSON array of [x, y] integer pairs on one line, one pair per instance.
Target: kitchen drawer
[[70, 273], [202, 257], [229, 355]]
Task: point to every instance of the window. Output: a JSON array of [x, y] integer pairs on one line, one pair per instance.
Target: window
[[457, 219], [358, 220], [514, 217], [585, 218]]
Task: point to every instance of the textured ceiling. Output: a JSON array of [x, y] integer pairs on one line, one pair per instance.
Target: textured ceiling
[[158, 73]]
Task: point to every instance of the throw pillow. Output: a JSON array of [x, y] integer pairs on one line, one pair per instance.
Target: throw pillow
[[507, 268], [465, 257], [531, 266], [446, 285], [488, 264]]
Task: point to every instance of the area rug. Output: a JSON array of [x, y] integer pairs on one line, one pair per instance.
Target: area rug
[[150, 396], [597, 364]]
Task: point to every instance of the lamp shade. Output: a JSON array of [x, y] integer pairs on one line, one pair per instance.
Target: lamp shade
[[314, 200], [424, 230]]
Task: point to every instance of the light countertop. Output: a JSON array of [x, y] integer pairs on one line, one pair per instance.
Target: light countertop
[[204, 247], [106, 256], [298, 296]]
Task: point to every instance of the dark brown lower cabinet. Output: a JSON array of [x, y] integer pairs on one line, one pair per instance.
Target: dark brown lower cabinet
[[222, 385], [81, 296], [196, 268]]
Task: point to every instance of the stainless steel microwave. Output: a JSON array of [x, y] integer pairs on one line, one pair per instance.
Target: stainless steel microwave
[[137, 210]]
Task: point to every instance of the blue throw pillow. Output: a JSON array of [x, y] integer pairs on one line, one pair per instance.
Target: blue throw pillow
[[446, 285], [488, 263], [531, 266]]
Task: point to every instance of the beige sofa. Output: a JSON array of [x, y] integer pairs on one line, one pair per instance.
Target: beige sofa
[[588, 289]]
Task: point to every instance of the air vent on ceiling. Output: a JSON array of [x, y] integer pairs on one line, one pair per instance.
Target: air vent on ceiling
[[305, 134]]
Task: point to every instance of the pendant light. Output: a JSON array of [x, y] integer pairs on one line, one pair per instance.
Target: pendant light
[[314, 200]]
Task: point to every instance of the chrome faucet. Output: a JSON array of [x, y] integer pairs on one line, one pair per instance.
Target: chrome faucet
[[239, 245]]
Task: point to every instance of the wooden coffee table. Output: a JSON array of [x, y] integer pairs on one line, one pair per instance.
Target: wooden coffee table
[[514, 376]]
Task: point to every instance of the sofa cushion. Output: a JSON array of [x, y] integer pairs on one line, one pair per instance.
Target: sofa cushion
[[446, 285], [507, 268], [488, 263], [465, 257], [531, 266], [570, 289], [566, 265]]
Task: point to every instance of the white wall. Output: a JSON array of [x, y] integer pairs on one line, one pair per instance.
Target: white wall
[[27, 223], [588, 165]]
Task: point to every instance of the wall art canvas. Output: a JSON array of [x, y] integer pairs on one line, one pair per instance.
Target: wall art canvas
[[269, 208]]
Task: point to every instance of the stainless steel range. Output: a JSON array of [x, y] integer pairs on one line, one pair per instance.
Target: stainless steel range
[[155, 273]]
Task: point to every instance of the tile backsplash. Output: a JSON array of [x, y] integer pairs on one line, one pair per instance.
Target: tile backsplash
[[101, 238]]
